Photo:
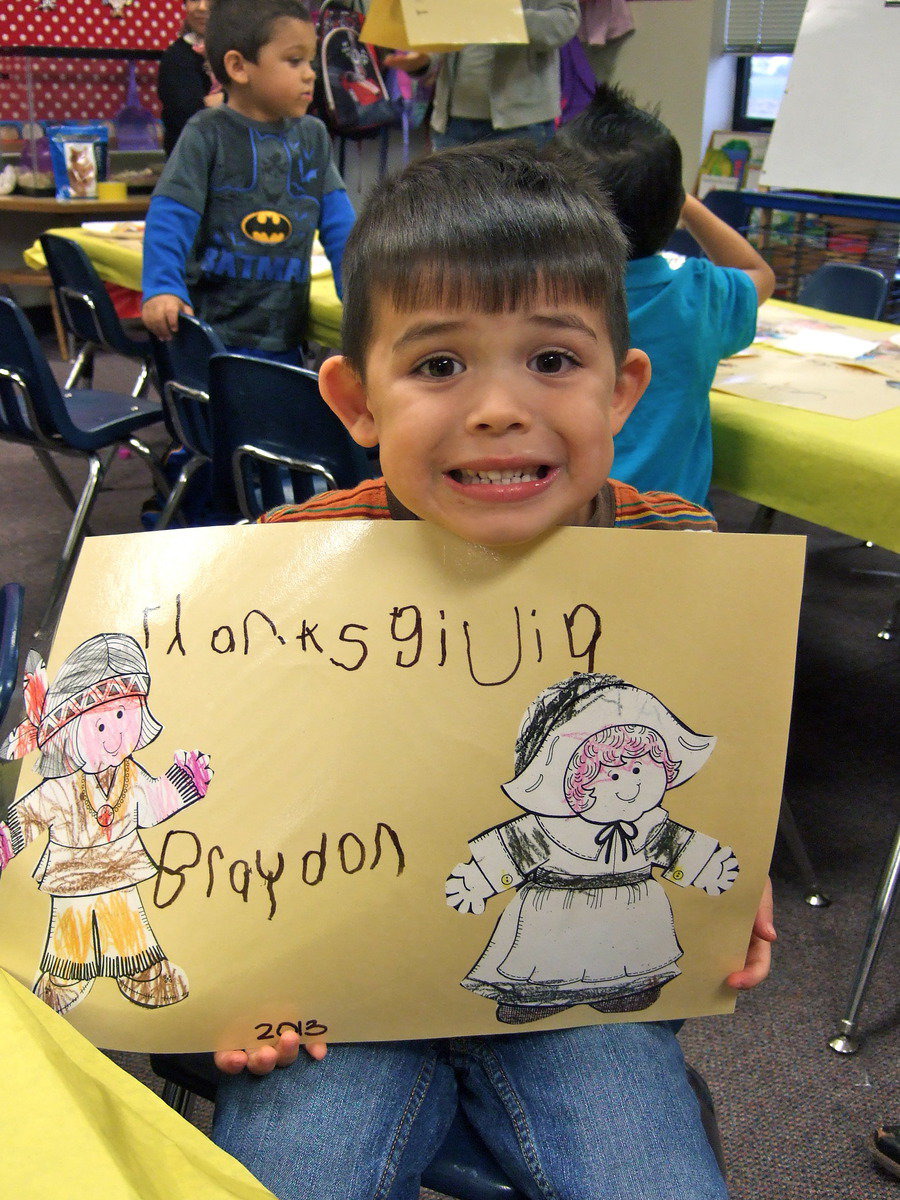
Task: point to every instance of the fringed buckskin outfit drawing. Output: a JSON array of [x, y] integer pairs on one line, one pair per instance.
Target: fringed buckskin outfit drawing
[[92, 805]]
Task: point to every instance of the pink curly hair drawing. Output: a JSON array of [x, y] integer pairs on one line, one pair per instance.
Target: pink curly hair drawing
[[613, 747]]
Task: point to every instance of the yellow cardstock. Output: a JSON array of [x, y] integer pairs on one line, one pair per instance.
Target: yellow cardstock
[[443, 24], [371, 827]]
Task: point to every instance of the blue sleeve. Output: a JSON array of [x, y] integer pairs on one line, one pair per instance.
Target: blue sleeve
[[335, 222], [168, 237]]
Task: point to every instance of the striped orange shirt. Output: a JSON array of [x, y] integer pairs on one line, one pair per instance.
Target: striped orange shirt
[[369, 501]]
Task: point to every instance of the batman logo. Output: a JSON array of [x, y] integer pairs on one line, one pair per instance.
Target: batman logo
[[266, 226]]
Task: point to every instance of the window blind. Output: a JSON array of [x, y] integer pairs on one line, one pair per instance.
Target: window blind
[[762, 26]]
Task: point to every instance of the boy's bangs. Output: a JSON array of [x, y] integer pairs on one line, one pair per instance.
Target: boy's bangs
[[490, 283]]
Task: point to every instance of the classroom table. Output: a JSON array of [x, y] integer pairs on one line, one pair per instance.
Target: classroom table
[[118, 260], [834, 472], [132, 206]]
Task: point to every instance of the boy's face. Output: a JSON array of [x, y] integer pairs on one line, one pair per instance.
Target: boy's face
[[495, 426], [280, 83]]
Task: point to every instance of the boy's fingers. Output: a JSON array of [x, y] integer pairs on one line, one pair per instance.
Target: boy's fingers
[[231, 1062], [262, 1061], [316, 1050], [756, 967]]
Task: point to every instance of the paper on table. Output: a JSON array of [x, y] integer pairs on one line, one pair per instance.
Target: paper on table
[[821, 385], [828, 342], [116, 229]]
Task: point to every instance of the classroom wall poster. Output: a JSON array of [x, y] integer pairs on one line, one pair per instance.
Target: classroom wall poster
[[372, 782]]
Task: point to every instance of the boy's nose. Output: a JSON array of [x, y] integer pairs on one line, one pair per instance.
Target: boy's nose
[[497, 409]]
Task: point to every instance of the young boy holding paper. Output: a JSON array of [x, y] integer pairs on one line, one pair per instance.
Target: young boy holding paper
[[485, 351]]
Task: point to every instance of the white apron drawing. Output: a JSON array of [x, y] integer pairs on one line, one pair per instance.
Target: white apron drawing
[[590, 924]]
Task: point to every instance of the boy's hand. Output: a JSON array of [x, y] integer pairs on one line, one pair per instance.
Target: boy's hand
[[160, 315], [759, 952], [264, 1060], [406, 60], [467, 888]]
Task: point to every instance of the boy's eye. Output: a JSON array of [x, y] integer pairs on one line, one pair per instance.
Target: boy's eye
[[614, 774], [120, 715], [101, 727], [635, 770], [552, 362], [440, 366]]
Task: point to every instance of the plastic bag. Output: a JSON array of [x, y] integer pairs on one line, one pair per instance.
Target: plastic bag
[[78, 155]]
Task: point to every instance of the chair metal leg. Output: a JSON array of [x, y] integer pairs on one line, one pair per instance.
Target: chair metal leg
[[141, 384], [175, 496], [847, 1040], [153, 463], [98, 465], [177, 1097], [787, 827], [889, 630], [56, 477], [82, 366], [762, 520]]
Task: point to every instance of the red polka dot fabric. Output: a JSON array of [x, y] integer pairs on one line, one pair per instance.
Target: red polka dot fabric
[[73, 89]]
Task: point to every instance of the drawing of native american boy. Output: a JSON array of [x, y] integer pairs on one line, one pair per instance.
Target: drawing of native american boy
[[589, 923], [92, 804]]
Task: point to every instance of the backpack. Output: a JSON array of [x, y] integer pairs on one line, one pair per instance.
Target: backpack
[[350, 94]]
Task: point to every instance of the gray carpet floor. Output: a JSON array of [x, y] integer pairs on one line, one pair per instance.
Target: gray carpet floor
[[795, 1117]]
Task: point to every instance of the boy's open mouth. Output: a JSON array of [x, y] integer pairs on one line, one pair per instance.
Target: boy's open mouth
[[532, 475]]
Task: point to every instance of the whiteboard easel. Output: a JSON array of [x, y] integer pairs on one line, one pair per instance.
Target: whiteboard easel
[[836, 129]]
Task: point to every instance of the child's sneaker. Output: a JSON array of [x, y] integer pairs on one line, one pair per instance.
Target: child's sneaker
[[157, 986]]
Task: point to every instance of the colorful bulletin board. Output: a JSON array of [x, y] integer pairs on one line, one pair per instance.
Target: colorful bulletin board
[[68, 88], [371, 782]]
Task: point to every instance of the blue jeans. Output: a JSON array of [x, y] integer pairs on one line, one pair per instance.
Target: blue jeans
[[462, 131], [600, 1113]]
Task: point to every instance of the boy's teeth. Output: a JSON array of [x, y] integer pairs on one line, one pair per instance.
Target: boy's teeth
[[497, 476]]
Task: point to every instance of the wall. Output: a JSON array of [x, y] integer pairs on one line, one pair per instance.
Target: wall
[[674, 59]]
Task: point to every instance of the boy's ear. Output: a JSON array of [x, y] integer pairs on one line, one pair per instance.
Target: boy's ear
[[235, 66], [631, 383], [346, 396]]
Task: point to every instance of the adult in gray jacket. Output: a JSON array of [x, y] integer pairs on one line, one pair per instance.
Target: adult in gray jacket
[[491, 91]]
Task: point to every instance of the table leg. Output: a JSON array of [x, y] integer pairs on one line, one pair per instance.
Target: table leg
[[846, 1040]]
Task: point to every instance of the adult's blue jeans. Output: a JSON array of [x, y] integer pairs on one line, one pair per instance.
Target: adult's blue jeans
[[601, 1113], [462, 131]]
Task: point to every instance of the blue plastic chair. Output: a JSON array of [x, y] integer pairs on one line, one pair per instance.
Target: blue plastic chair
[[88, 314], [11, 597], [86, 424], [847, 288], [275, 440], [182, 372], [463, 1167]]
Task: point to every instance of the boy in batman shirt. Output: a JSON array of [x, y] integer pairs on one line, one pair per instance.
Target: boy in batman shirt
[[231, 223]]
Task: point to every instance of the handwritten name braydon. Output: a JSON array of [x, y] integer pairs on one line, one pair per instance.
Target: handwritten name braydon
[[418, 636], [182, 853]]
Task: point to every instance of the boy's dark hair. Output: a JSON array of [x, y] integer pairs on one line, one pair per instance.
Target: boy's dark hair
[[246, 26], [484, 225], [637, 160]]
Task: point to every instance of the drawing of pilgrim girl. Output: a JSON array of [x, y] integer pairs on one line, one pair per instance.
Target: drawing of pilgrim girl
[[92, 804], [595, 757]]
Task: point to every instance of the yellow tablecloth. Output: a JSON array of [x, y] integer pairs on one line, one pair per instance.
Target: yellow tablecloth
[[119, 261], [838, 473], [75, 1124]]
